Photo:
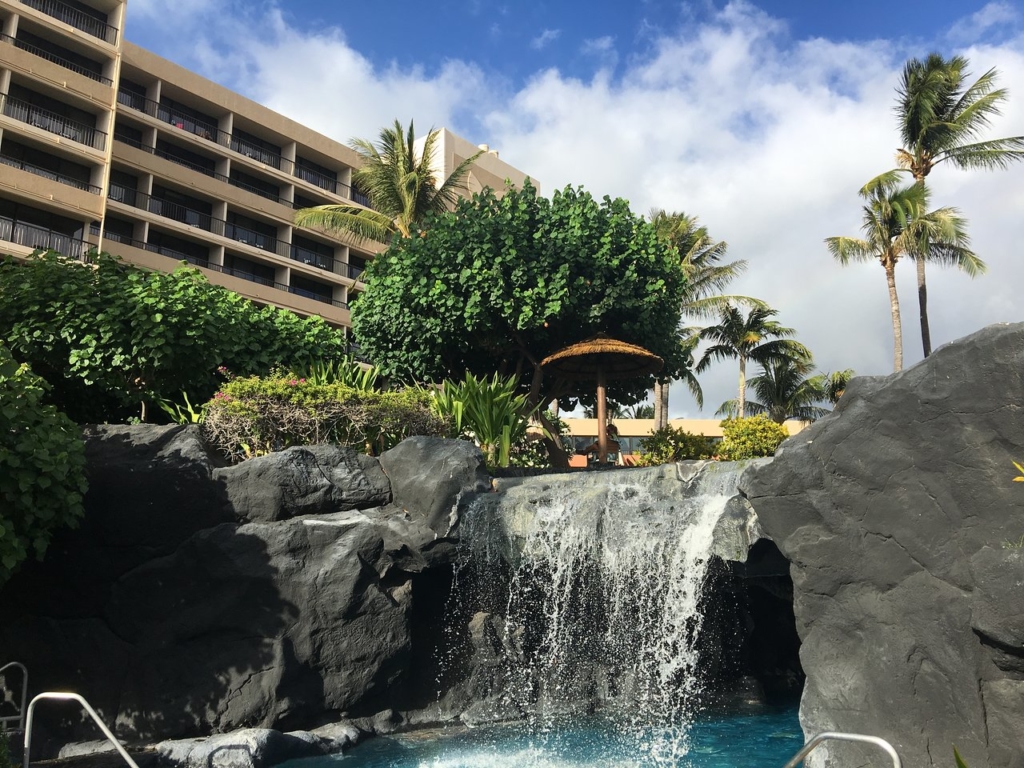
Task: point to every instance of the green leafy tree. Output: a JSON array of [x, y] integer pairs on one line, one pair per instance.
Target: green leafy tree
[[897, 223], [941, 117], [752, 337], [108, 336], [499, 284], [668, 445], [707, 277], [399, 183], [751, 437], [42, 467]]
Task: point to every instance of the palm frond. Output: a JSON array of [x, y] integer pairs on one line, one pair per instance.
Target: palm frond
[[338, 219], [848, 249]]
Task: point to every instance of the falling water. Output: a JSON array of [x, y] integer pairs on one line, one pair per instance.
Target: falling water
[[606, 572]]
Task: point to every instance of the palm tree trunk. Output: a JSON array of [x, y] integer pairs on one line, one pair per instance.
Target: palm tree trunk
[[897, 325], [660, 405], [742, 399], [922, 300]]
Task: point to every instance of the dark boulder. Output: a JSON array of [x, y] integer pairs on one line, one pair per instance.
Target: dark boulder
[[900, 520]]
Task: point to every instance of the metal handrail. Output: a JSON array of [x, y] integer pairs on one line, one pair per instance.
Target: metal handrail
[[75, 18], [58, 696], [27, 112], [24, 695], [821, 738], [46, 173]]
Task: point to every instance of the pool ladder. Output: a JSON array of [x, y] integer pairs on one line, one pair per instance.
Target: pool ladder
[[821, 738]]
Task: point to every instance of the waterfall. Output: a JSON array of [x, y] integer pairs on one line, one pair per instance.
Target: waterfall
[[601, 575]]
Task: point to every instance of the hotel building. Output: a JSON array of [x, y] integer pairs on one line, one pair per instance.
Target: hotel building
[[106, 145]]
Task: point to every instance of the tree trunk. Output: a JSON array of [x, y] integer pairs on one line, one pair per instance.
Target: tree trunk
[[602, 420], [660, 405], [922, 300], [742, 399], [897, 325]]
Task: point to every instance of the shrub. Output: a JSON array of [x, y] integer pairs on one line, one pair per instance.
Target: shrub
[[750, 438], [531, 452], [42, 467], [668, 445], [253, 416]]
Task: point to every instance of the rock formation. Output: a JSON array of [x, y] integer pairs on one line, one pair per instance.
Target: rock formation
[[904, 530]]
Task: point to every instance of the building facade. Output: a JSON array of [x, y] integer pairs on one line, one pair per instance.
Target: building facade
[[106, 145]]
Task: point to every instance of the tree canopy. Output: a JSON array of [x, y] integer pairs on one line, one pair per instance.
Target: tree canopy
[[501, 282], [108, 336]]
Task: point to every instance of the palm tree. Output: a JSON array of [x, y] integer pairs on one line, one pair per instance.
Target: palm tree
[[706, 279], [833, 385], [783, 392], [399, 183], [895, 225], [940, 117], [755, 337]]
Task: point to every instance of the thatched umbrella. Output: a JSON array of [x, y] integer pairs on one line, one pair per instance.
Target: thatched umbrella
[[605, 360]]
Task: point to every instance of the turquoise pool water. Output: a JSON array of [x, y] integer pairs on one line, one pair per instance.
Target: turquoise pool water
[[764, 740]]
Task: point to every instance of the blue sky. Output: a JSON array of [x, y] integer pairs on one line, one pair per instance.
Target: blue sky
[[762, 118]]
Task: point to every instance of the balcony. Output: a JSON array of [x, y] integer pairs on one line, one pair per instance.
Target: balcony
[[360, 198], [75, 18], [26, 112], [47, 174], [32, 236], [57, 59], [354, 272], [311, 295], [317, 179], [255, 152], [306, 256], [251, 237], [177, 118]]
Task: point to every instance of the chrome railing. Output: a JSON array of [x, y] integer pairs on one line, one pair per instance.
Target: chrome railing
[[20, 710], [55, 696], [61, 178], [75, 18], [43, 239], [27, 112], [821, 738], [42, 53]]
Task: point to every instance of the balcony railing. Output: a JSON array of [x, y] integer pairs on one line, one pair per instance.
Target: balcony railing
[[170, 115], [199, 219], [306, 256], [27, 112], [354, 272], [256, 152], [311, 295], [360, 198], [133, 100], [75, 18], [48, 174], [59, 60], [318, 179], [32, 236]]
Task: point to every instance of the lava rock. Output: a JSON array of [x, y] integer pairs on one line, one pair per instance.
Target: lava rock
[[244, 748], [895, 512]]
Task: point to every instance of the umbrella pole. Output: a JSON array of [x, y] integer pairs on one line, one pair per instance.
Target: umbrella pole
[[602, 420]]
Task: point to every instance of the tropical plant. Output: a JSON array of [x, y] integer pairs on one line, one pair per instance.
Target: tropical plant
[[400, 184], [1020, 468], [343, 370], [42, 467], [750, 438], [668, 445], [253, 416], [940, 119], [832, 385], [184, 412], [501, 283], [706, 279], [754, 337], [783, 391], [531, 450], [897, 223], [109, 337], [487, 410], [640, 411]]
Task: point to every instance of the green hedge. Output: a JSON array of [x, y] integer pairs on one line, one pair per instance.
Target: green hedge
[[253, 416], [750, 438], [42, 467], [668, 445]]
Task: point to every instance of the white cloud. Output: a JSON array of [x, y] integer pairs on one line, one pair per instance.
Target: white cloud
[[545, 38], [973, 27], [765, 139]]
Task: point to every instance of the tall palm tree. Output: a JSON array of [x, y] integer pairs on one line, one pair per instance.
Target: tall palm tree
[[940, 117], [755, 337], [399, 183], [897, 224], [706, 278], [783, 391], [833, 385]]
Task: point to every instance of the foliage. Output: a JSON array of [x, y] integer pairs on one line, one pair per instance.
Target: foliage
[[783, 392], [399, 183], [42, 467], [343, 370], [833, 385], [668, 445], [897, 223], [108, 335], [183, 413], [253, 416], [488, 410], [750, 438], [530, 451], [5, 752], [640, 411], [960, 762], [755, 337], [1019, 478], [501, 283]]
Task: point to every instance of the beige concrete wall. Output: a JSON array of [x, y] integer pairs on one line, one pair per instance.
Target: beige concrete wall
[[48, 194], [644, 427], [95, 95]]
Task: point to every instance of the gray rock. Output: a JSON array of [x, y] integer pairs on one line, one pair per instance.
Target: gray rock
[[429, 476], [309, 480], [893, 512], [245, 748], [81, 748]]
